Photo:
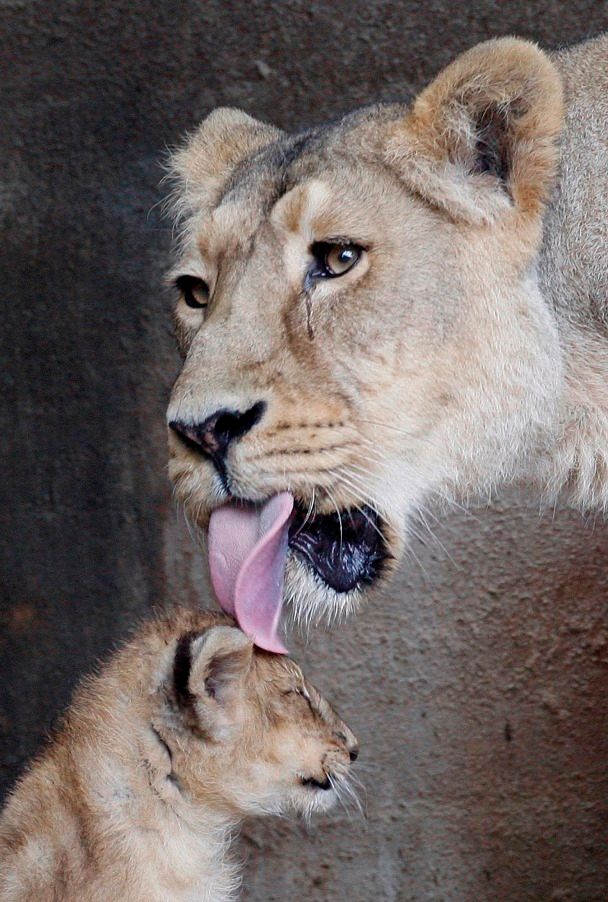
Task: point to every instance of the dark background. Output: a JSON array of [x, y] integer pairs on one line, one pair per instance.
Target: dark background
[[92, 95]]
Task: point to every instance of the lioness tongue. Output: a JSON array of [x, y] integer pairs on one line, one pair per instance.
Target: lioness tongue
[[247, 553]]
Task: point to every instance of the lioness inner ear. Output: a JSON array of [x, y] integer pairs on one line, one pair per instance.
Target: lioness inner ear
[[218, 661], [204, 163], [482, 139]]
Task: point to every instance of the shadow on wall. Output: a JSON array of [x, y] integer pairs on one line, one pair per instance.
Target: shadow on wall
[[477, 685]]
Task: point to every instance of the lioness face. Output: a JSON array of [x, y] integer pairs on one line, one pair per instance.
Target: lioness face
[[359, 314]]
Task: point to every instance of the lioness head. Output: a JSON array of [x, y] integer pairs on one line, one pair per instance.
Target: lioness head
[[246, 732], [360, 323]]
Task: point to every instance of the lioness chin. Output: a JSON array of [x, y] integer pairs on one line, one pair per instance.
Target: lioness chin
[[405, 304], [187, 730]]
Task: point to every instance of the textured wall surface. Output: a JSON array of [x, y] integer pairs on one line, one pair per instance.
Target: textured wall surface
[[478, 688]]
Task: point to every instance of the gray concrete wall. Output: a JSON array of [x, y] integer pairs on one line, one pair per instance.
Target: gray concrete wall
[[478, 688]]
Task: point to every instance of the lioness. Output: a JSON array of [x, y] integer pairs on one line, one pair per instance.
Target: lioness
[[407, 303], [184, 732]]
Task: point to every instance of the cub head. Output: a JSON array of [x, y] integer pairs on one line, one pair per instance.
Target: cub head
[[245, 732], [360, 321]]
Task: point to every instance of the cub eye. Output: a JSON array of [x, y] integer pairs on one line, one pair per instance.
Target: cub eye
[[332, 260], [195, 291], [296, 691]]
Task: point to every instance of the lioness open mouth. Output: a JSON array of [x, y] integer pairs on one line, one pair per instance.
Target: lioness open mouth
[[248, 549], [345, 550]]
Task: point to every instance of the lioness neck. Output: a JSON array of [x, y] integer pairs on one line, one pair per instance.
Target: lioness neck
[[108, 813], [573, 270], [577, 463]]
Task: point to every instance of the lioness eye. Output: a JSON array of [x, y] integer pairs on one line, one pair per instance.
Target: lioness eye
[[195, 291], [333, 260]]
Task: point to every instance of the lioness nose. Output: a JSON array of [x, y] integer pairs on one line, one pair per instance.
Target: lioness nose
[[213, 436]]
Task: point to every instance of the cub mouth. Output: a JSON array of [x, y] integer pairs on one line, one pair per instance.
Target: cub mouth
[[346, 550], [313, 783]]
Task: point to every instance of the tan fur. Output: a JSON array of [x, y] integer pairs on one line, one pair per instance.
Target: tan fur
[[466, 349], [434, 147], [136, 796]]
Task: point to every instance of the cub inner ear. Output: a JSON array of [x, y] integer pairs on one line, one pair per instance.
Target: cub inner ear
[[202, 166], [482, 139], [218, 661]]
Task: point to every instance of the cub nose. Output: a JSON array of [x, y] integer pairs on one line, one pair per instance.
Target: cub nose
[[214, 435], [350, 742]]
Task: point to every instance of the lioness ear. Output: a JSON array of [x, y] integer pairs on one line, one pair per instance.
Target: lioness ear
[[202, 166], [483, 137], [210, 666]]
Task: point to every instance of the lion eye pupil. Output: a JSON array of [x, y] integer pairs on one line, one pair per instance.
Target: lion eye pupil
[[332, 260], [194, 291], [341, 258]]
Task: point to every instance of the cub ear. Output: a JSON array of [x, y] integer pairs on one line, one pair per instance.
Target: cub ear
[[482, 138], [202, 166], [209, 667]]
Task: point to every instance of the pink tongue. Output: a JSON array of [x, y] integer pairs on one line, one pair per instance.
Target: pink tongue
[[247, 553]]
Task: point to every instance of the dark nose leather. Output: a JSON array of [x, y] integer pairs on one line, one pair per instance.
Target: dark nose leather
[[352, 749], [214, 435]]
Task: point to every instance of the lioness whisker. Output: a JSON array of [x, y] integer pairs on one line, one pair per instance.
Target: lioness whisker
[[341, 477], [421, 516], [402, 432], [308, 515], [287, 452], [339, 514], [354, 483]]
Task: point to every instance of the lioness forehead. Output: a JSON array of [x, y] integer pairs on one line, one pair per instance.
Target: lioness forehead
[[275, 169], [340, 156]]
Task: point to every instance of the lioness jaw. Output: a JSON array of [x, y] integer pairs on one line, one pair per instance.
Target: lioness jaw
[[360, 317]]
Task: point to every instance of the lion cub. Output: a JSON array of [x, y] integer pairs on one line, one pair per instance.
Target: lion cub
[[185, 731]]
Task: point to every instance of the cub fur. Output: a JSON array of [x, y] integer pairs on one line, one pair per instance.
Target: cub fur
[[464, 349], [187, 730]]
